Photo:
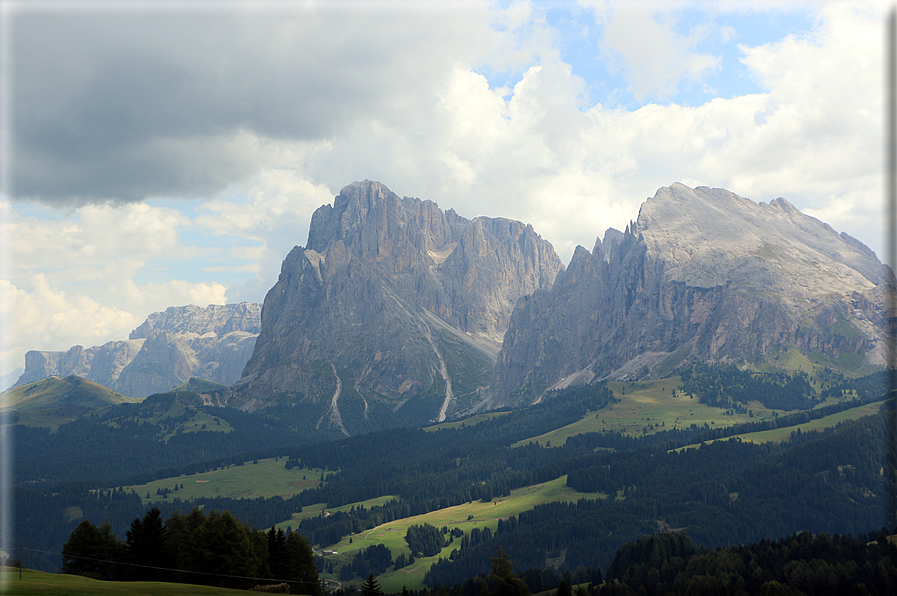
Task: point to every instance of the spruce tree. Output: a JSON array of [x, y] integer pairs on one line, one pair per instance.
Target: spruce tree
[[371, 587], [145, 548], [502, 581]]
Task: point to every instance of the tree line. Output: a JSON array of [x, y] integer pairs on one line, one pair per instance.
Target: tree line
[[196, 548], [670, 564], [718, 497]]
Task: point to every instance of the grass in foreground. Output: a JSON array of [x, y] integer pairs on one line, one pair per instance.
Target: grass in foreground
[[41, 583]]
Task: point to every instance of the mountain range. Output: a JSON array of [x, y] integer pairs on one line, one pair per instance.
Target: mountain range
[[702, 275], [168, 349], [399, 313], [395, 310]]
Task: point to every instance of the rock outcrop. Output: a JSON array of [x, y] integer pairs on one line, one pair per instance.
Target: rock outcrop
[[702, 274], [170, 347], [393, 313]]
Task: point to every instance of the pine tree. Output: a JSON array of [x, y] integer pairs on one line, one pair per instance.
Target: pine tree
[[278, 557], [302, 560], [502, 581], [92, 551], [371, 587], [145, 547]]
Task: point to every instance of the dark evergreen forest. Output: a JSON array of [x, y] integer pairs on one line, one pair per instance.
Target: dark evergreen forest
[[723, 494]]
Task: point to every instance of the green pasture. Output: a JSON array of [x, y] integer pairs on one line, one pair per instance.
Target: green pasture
[[200, 422], [777, 435], [475, 514], [792, 360], [318, 509], [266, 478], [647, 407], [55, 392], [51, 418], [472, 421], [38, 583]]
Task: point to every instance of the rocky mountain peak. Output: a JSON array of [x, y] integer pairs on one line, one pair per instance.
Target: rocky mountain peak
[[708, 237], [393, 301], [167, 349], [219, 319], [701, 274]]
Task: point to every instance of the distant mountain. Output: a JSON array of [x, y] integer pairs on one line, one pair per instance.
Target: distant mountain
[[70, 392], [9, 380], [393, 313], [169, 348], [706, 275]]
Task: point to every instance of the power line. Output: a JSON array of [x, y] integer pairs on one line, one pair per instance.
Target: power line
[[113, 562]]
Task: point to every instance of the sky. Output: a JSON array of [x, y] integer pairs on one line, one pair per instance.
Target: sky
[[157, 154]]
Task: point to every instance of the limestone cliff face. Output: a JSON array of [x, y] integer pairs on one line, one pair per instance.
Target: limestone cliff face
[[393, 312], [170, 347], [702, 274], [219, 319]]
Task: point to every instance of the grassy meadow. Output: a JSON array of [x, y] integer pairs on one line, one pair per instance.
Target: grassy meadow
[[265, 478], [471, 421], [777, 435], [475, 514], [645, 407], [319, 509]]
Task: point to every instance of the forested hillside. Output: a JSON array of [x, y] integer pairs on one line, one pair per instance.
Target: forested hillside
[[722, 493]]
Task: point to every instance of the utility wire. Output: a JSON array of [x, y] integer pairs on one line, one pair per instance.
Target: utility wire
[[291, 581]]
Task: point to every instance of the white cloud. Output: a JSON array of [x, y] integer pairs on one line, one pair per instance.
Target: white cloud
[[46, 317], [71, 278], [641, 39], [539, 157], [413, 108], [275, 214]]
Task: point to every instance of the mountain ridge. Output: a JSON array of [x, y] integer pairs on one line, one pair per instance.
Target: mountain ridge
[[56, 392], [701, 274], [167, 349], [397, 312], [394, 307]]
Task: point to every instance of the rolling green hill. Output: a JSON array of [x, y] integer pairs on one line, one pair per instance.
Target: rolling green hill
[[55, 401], [561, 483], [72, 391]]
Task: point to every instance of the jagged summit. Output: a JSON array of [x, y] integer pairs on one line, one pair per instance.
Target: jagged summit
[[702, 274], [708, 237], [168, 348], [394, 306]]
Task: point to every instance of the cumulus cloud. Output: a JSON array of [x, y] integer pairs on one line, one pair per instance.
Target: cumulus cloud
[[641, 39], [130, 102], [812, 136], [266, 116], [44, 316], [75, 278], [275, 217]]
